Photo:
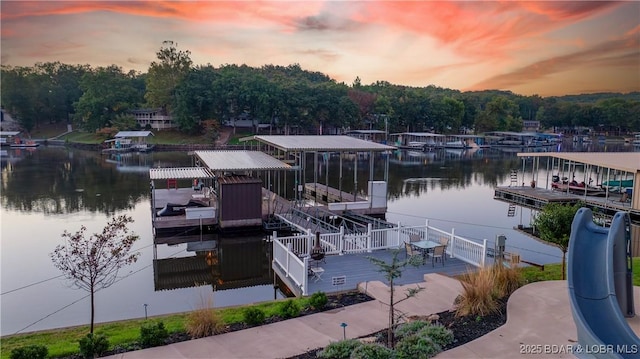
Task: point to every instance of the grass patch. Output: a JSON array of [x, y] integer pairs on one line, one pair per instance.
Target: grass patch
[[48, 130], [64, 342], [554, 272]]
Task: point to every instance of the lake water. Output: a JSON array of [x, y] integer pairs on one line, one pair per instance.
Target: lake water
[[52, 189]]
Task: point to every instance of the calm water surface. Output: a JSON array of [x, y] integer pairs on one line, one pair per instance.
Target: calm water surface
[[53, 189]]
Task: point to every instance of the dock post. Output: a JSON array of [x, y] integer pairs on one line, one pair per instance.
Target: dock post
[[426, 229], [484, 252]]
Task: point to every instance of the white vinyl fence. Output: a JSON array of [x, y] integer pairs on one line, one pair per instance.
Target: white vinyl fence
[[291, 253]]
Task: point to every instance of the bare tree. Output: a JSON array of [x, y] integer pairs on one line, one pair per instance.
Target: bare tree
[[391, 271], [93, 263]]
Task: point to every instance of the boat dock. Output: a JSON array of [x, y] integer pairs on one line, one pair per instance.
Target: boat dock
[[238, 190], [610, 166]]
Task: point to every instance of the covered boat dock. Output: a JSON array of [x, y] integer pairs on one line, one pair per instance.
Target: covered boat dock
[[223, 190], [593, 170], [306, 153]]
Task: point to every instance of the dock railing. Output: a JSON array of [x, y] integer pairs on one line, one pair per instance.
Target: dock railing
[[291, 253], [293, 266]]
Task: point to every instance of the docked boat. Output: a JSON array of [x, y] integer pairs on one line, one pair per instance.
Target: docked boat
[[13, 140], [578, 188], [128, 141], [22, 143]]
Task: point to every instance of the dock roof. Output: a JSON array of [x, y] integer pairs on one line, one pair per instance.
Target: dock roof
[[179, 172], [9, 133], [419, 134], [623, 161], [123, 134], [240, 161], [320, 143]]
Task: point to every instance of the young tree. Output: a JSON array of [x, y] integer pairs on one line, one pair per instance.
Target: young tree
[[553, 225], [392, 271], [93, 263]]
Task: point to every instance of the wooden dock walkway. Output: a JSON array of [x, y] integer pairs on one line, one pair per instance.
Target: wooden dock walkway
[[536, 198], [324, 194]]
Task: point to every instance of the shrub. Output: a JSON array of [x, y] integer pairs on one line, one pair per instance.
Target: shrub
[[339, 350], [35, 351], [253, 316], [93, 345], [289, 309], [416, 347], [371, 351], [318, 300], [153, 334], [203, 323], [507, 280], [406, 329], [477, 296], [438, 333]]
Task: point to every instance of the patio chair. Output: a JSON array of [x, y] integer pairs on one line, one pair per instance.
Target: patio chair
[[414, 238], [410, 251], [445, 242], [437, 252]]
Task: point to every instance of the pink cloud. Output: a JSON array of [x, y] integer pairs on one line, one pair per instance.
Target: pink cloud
[[612, 55], [481, 29]]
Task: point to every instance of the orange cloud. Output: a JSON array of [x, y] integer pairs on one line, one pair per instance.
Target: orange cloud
[[619, 53], [482, 29]]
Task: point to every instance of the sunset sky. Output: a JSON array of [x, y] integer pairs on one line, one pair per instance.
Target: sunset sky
[[542, 47]]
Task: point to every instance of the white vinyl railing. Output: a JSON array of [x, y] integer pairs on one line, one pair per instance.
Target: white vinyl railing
[[293, 266], [292, 253]]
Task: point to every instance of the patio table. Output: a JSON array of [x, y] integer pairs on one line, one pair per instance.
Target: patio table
[[425, 246]]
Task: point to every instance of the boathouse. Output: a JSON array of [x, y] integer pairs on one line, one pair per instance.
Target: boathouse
[[608, 182], [224, 190]]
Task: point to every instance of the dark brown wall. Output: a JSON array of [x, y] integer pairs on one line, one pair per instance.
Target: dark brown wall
[[240, 198]]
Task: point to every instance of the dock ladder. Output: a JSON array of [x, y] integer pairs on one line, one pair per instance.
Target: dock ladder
[[514, 178]]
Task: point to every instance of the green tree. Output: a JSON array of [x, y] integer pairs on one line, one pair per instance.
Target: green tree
[[165, 75], [553, 225], [195, 99], [124, 122], [392, 271], [93, 263], [107, 92], [499, 114]]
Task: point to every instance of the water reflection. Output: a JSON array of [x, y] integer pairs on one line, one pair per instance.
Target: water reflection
[[223, 263]]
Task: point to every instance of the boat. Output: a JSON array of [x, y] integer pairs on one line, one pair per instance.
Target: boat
[[578, 188], [421, 141], [21, 143], [617, 185], [13, 139]]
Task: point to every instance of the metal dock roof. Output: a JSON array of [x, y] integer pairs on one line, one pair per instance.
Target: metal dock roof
[[240, 161], [623, 161], [180, 172], [320, 143], [123, 134]]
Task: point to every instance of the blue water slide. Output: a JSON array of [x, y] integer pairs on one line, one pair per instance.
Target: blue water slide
[[600, 287]]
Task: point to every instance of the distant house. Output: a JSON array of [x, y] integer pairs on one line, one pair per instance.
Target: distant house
[[156, 118], [529, 125]]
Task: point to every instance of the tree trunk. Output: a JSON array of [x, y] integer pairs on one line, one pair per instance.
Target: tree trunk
[[390, 343], [92, 308]]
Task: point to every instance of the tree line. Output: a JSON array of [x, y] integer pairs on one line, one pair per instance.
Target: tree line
[[286, 98]]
